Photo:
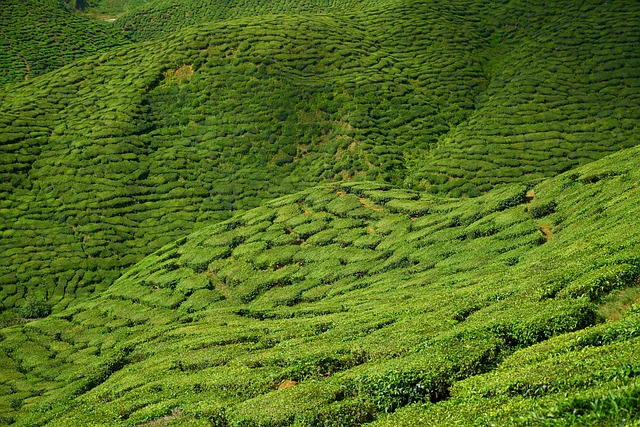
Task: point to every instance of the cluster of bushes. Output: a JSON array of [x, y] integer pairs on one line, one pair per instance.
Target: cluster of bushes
[[547, 110], [40, 36], [446, 316]]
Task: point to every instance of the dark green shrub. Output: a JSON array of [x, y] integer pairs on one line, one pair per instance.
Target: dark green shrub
[[9, 318], [543, 209], [35, 307]]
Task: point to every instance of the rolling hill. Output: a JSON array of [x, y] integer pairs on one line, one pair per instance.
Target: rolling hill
[[38, 36], [317, 213], [568, 95], [137, 143], [365, 300], [108, 159]]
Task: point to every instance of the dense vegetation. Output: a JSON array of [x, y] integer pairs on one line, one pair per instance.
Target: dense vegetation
[[257, 213], [211, 121], [37, 36], [565, 94], [109, 10], [375, 301], [108, 159], [162, 17]]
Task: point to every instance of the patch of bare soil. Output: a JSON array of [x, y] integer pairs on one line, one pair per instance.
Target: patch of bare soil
[[287, 384], [176, 413], [367, 204], [546, 230]]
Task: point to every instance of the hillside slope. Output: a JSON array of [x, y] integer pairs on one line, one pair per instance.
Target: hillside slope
[[108, 159], [563, 90], [37, 36], [374, 300], [159, 18], [101, 158]]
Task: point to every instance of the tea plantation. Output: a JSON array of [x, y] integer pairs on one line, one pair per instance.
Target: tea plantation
[[37, 36], [569, 95], [379, 304], [107, 159], [158, 18], [319, 213]]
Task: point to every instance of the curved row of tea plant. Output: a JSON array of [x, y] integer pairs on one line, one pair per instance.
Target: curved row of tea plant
[[101, 158], [37, 36], [374, 300], [160, 18], [563, 89]]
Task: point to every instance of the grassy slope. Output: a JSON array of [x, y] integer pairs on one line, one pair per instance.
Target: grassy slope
[[563, 90], [37, 36], [107, 160], [159, 18], [110, 10], [103, 157], [375, 300]]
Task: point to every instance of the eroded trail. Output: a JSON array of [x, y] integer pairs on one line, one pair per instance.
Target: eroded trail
[[544, 227]]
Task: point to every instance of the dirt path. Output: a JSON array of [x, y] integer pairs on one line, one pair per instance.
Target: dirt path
[[368, 205], [20, 57], [545, 228], [530, 196]]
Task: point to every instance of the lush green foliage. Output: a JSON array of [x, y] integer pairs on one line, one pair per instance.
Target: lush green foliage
[[108, 159], [558, 94], [109, 10], [35, 307], [103, 157], [358, 296], [162, 17], [37, 36], [375, 300]]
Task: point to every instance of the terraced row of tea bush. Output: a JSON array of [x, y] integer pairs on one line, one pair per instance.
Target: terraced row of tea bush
[[105, 161], [578, 379], [568, 94], [37, 36], [109, 10], [357, 302], [162, 17]]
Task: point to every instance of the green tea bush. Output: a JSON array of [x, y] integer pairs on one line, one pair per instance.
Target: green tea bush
[[35, 307], [540, 210], [62, 37], [599, 282], [449, 310]]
